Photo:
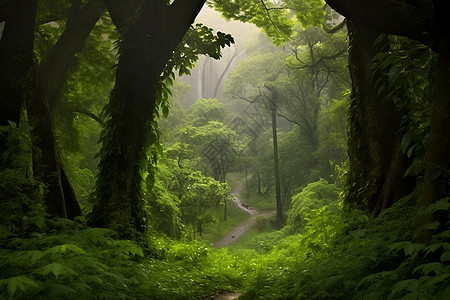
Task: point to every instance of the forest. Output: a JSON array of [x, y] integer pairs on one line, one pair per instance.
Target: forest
[[224, 149]]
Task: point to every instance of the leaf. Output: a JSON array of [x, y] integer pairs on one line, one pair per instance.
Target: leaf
[[20, 282], [379, 39], [409, 285], [165, 110], [436, 279], [408, 248], [61, 249], [57, 269], [426, 269], [445, 257]]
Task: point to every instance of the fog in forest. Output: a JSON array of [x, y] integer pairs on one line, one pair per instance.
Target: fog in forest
[[293, 149]]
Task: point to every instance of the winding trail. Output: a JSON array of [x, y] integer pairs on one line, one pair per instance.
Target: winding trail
[[244, 227], [240, 230]]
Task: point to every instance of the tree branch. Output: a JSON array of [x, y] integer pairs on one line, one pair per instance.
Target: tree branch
[[89, 114], [224, 72], [268, 15], [120, 11], [54, 69], [388, 16], [335, 28]]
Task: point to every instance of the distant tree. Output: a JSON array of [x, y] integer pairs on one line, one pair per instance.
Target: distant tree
[[205, 110]]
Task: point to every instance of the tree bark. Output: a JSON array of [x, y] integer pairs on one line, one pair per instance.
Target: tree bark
[[53, 72], [389, 16], [436, 183], [279, 220], [377, 163], [46, 164], [147, 45], [427, 23], [55, 67], [16, 57]]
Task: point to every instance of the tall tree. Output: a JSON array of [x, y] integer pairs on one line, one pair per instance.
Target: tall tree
[[150, 32], [423, 21], [16, 56], [38, 81]]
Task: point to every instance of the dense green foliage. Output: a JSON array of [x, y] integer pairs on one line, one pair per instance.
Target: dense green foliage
[[351, 256], [165, 181]]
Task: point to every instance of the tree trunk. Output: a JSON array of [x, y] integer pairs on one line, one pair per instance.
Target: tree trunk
[[60, 197], [55, 67], [436, 184], [46, 164], [279, 220], [16, 57], [377, 163], [147, 44]]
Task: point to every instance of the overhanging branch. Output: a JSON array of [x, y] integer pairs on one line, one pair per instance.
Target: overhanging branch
[[388, 16]]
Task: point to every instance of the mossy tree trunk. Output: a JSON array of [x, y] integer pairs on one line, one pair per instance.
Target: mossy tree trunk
[[28, 83], [150, 32], [424, 21], [377, 163]]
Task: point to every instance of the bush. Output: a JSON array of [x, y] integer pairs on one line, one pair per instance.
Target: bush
[[314, 196]]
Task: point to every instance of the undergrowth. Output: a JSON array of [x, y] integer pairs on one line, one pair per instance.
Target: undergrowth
[[74, 262], [353, 256]]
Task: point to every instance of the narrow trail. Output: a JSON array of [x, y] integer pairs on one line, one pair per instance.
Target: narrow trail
[[244, 227], [240, 230]]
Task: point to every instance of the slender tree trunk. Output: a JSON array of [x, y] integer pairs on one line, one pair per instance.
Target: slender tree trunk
[[276, 169], [259, 183], [246, 179], [225, 214], [224, 72]]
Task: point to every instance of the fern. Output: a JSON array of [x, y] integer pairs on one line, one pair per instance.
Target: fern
[[14, 284]]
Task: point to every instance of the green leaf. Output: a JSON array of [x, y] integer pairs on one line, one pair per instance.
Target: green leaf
[[426, 269], [61, 249], [409, 285], [57, 269], [408, 248], [165, 111], [436, 279], [18, 282]]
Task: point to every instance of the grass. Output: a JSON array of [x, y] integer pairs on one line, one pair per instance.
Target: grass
[[260, 202], [235, 216], [256, 237], [216, 231]]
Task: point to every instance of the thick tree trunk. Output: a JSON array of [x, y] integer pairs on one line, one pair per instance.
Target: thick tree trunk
[[60, 196], [146, 46], [46, 165], [377, 164], [436, 184], [23, 83], [16, 57]]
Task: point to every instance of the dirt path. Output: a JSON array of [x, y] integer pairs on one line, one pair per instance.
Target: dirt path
[[239, 231], [243, 228], [228, 296]]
